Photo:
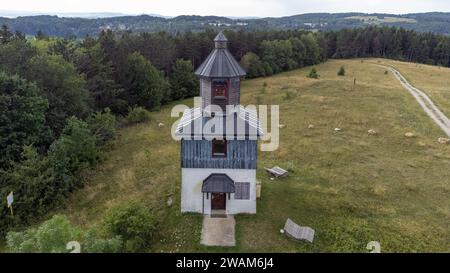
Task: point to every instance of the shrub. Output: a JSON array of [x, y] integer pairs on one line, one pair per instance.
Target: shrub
[[34, 184], [76, 147], [134, 224], [53, 235], [341, 71], [93, 242], [103, 126], [138, 115], [313, 74]]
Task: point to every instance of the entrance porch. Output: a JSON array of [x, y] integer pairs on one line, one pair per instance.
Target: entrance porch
[[217, 189]]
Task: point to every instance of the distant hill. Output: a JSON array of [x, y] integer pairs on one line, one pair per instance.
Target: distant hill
[[436, 22]]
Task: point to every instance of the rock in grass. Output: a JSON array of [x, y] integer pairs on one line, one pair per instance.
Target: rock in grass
[[160, 124], [409, 134], [281, 126], [444, 140], [310, 126], [372, 132], [337, 129]]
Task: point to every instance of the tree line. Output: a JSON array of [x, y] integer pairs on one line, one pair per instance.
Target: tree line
[[60, 98]]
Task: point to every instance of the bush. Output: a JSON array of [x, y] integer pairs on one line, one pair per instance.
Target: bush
[[53, 235], [341, 71], [134, 224], [93, 242], [138, 115], [41, 182], [103, 126], [35, 188], [313, 74], [76, 148]]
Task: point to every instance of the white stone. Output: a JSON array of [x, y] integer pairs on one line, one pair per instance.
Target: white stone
[[372, 132], [444, 140], [310, 126], [409, 134], [337, 129]]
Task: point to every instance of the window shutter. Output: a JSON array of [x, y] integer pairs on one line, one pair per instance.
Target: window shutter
[[242, 191]]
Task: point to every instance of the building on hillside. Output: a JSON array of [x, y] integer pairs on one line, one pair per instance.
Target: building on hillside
[[219, 148]]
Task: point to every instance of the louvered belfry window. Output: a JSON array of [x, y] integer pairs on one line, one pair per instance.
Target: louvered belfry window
[[220, 93], [242, 190]]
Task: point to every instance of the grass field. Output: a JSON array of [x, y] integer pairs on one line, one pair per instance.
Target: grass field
[[434, 80], [351, 187]]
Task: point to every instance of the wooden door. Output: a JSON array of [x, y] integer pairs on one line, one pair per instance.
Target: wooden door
[[218, 201]]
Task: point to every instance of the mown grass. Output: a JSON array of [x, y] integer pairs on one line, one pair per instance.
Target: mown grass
[[351, 187]]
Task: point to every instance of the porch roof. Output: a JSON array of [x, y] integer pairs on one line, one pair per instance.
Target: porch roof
[[218, 183]]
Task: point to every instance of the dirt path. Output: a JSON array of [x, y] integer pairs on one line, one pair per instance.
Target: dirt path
[[424, 101]]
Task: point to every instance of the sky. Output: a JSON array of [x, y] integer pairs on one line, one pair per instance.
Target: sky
[[238, 8]]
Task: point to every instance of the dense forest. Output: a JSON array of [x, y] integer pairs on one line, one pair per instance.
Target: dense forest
[[66, 27], [61, 100]]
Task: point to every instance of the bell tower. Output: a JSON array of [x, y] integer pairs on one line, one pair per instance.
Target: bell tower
[[218, 163]]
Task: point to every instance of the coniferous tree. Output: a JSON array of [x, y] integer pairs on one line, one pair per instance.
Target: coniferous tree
[[183, 82]]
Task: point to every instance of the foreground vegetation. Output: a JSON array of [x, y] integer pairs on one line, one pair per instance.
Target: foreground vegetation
[[350, 186]]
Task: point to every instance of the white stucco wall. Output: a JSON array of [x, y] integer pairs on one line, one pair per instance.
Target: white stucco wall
[[191, 190]]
